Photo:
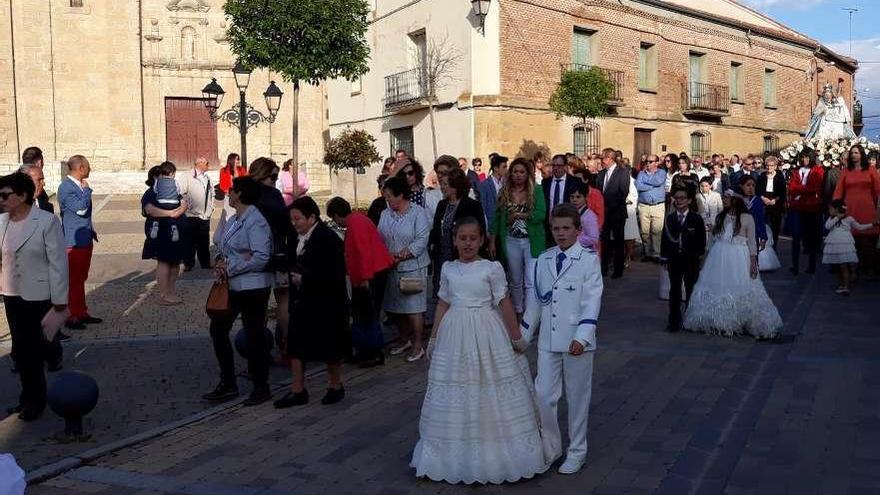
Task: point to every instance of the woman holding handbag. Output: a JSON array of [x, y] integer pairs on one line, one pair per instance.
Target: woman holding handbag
[[245, 249], [405, 228]]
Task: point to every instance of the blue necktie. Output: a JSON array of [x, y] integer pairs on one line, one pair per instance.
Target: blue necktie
[[559, 259], [557, 195]]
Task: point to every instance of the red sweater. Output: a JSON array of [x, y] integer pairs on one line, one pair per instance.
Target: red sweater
[[365, 252], [806, 198]]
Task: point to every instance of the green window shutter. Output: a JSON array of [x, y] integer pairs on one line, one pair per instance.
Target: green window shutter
[[580, 47], [643, 67]]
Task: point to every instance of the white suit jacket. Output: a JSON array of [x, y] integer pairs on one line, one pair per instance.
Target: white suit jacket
[[40, 268], [564, 306]]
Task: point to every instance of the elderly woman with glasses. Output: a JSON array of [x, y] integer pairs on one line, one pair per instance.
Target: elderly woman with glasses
[[404, 228], [414, 176]]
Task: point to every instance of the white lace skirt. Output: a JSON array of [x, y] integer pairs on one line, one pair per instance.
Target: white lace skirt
[[836, 253], [768, 261], [480, 420], [726, 300]]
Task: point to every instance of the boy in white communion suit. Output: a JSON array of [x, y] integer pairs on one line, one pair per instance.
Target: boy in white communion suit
[[565, 306]]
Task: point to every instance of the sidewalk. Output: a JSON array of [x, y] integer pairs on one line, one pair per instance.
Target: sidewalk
[[671, 414]]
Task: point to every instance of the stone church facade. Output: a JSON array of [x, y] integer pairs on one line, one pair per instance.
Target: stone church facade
[[120, 82]]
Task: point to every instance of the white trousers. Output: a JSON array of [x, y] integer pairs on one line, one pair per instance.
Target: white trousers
[[577, 374], [651, 219], [521, 270]]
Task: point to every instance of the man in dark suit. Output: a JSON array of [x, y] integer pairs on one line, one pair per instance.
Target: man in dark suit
[[557, 189], [34, 156], [682, 245], [748, 168], [614, 183], [472, 176], [720, 180], [490, 187]]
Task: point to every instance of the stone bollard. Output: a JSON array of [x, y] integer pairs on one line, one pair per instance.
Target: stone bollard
[[72, 395]]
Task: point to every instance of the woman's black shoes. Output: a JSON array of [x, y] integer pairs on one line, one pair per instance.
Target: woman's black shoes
[[291, 399], [222, 392], [333, 395], [258, 396]]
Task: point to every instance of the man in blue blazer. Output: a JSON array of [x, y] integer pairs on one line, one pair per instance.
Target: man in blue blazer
[[489, 188], [75, 203]]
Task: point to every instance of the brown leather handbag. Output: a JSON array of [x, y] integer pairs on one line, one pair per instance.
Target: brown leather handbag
[[217, 306]]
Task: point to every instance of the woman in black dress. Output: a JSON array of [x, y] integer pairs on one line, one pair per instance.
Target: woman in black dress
[[318, 303]]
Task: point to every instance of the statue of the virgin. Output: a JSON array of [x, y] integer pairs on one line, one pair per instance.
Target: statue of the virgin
[[831, 118]]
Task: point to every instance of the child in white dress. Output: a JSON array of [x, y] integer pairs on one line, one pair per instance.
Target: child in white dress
[[480, 421], [840, 246]]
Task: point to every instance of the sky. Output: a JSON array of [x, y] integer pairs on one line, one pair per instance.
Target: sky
[[825, 21]]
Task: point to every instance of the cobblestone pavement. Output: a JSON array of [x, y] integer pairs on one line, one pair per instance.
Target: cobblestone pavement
[[671, 413]]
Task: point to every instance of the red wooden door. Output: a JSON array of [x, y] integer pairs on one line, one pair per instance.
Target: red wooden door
[[189, 132]]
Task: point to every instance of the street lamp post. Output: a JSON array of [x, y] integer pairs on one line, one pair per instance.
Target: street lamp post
[[244, 116]]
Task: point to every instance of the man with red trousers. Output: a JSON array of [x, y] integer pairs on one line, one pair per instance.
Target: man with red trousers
[[75, 202]]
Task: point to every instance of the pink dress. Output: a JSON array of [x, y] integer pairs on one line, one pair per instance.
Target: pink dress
[[589, 237], [286, 180]]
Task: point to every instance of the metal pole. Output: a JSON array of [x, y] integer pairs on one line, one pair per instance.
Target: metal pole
[[851, 12], [242, 127]]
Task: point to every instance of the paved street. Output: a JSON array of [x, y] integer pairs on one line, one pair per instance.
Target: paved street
[[671, 413]]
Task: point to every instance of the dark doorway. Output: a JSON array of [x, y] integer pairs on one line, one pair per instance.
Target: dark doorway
[[643, 144]]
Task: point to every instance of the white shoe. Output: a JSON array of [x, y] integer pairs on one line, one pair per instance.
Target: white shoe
[[396, 351], [416, 357], [571, 466]]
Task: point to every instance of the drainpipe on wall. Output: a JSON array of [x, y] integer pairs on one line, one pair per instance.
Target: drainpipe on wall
[[140, 35], [14, 84], [52, 77]]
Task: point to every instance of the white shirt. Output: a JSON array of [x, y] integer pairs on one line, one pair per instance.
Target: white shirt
[[805, 172], [556, 184], [610, 170], [15, 236], [301, 242], [701, 172], [497, 182], [77, 182], [770, 181]]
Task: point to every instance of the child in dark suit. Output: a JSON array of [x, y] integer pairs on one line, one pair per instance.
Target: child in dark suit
[[682, 245]]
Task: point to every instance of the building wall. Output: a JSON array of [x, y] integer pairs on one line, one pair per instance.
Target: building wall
[[532, 53], [89, 100]]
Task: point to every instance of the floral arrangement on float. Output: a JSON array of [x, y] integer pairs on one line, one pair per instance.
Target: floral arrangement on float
[[829, 151], [830, 132]]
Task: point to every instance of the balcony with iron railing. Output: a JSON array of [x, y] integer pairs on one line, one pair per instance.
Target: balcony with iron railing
[[706, 100], [615, 76], [407, 90]]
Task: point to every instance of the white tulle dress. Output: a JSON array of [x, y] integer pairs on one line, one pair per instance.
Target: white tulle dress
[[480, 421], [726, 299], [768, 261]]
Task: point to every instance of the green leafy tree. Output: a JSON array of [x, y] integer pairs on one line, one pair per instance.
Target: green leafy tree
[[353, 149], [583, 94], [304, 41]]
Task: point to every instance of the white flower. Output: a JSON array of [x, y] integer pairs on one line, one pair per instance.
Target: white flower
[[827, 163]]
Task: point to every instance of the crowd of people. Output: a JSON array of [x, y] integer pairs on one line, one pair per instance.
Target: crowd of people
[[484, 259]]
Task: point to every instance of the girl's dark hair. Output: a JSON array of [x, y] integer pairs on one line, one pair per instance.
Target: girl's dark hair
[[397, 186], [581, 188], [230, 162], [746, 178], [247, 188], [737, 207], [417, 168], [287, 164], [151, 176], [673, 161], [167, 168], [807, 152], [461, 222], [839, 205], [307, 206], [863, 164], [20, 183]]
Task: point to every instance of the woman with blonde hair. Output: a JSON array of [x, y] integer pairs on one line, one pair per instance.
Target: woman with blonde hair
[[518, 226]]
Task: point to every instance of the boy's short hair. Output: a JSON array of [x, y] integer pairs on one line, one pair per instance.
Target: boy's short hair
[[338, 207], [566, 210]]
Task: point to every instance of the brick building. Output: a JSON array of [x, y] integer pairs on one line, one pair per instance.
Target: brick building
[[120, 82], [700, 76]]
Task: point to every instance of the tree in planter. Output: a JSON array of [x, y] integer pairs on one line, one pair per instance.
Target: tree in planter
[[583, 94], [353, 149], [437, 71], [303, 41]]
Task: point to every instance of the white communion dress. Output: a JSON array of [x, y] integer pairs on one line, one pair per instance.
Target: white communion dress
[[480, 421], [726, 299], [768, 261]]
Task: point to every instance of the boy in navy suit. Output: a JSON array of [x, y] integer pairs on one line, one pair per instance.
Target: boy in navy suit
[[682, 244]]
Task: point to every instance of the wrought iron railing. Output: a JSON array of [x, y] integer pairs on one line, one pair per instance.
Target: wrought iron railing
[[405, 88], [615, 76], [702, 97]]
